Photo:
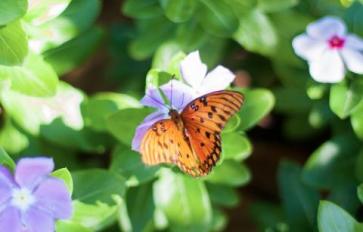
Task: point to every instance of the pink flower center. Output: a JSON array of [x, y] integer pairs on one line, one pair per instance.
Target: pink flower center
[[336, 42]]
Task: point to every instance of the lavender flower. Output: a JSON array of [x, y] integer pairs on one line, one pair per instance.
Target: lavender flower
[[31, 200], [196, 83]]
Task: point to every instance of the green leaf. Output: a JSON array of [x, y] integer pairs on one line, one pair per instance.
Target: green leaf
[[13, 45], [356, 120], [332, 218], [99, 107], [178, 11], [257, 104], [344, 99], [268, 217], [218, 18], [41, 111], [148, 41], [11, 139], [360, 192], [256, 33], [190, 35], [95, 217], [66, 176], [82, 13], [276, 5], [299, 201], [65, 226], [231, 151], [142, 9], [93, 185], [184, 201], [230, 173], [6, 160], [223, 195], [11, 10], [320, 115], [74, 52], [128, 164], [122, 126], [43, 11], [140, 207], [332, 163], [155, 78]]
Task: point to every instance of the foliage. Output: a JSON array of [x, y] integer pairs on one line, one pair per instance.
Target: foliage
[[89, 136]]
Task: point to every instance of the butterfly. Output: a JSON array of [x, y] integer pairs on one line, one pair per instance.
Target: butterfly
[[192, 139]]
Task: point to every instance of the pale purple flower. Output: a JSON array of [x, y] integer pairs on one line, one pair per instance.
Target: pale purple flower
[[196, 83], [31, 200], [329, 50]]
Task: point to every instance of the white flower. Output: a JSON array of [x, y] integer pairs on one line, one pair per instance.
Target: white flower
[[329, 50], [194, 72]]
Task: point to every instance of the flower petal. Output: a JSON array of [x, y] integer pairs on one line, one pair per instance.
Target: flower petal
[[38, 220], [353, 60], [53, 197], [218, 79], [143, 127], [326, 27], [193, 70], [30, 171], [6, 185], [178, 93], [354, 42], [153, 99], [10, 220], [328, 69], [308, 48]]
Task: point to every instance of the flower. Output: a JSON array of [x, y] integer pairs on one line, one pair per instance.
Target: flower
[[329, 50], [179, 94], [31, 200], [194, 72]]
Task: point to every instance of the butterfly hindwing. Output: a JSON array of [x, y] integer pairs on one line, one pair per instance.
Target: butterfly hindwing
[[165, 142], [204, 118]]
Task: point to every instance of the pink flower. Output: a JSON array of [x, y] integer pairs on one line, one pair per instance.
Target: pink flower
[[329, 50]]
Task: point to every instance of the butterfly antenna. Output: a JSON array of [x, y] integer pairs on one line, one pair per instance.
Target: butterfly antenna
[[156, 100]]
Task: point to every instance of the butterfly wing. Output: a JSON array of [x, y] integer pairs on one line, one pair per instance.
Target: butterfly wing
[[204, 118], [165, 142]]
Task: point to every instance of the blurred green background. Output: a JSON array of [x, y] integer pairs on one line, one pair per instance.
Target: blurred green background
[[72, 73]]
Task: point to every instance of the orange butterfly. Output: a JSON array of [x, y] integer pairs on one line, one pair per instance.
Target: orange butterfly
[[192, 139]]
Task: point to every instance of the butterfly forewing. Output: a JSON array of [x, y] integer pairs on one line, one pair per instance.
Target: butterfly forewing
[[166, 142], [204, 118]]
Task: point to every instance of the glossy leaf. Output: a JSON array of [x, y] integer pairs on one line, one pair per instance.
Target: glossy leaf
[[256, 33], [178, 11], [299, 200], [6, 160], [218, 18], [122, 125], [258, 103], [332, 163], [344, 98], [62, 226], [128, 164], [11, 10], [98, 108], [39, 12], [93, 185], [332, 218], [66, 176], [230, 173], [235, 146], [276, 5], [184, 201], [356, 120], [13, 45], [142, 9]]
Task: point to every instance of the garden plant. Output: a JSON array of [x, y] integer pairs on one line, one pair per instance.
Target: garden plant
[[181, 115]]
